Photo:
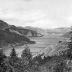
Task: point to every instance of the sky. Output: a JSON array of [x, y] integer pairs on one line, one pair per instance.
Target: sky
[[37, 13]]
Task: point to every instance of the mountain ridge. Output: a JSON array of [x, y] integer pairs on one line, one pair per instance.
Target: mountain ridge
[[8, 34]]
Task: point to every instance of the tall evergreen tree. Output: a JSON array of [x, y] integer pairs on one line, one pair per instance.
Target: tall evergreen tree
[[26, 55], [3, 68], [13, 53], [14, 61], [13, 57], [26, 59], [2, 56]]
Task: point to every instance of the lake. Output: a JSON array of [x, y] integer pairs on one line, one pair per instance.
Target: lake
[[42, 44]]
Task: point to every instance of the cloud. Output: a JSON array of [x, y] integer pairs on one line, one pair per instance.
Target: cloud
[[19, 0], [70, 19], [34, 18], [67, 20], [23, 15], [27, 0]]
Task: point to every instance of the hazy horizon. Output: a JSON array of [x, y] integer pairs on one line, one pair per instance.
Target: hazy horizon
[[37, 13]]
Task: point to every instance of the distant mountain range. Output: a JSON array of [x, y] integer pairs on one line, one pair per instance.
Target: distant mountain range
[[30, 32], [68, 34], [58, 31], [38, 30], [24, 31]]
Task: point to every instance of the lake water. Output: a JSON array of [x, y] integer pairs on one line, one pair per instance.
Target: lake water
[[42, 44]]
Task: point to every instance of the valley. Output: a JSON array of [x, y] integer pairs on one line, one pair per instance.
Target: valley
[[42, 44]]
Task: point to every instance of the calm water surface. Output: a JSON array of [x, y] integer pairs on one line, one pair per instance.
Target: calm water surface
[[41, 44]]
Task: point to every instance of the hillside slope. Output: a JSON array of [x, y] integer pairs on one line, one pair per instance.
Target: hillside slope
[[68, 34], [10, 36], [30, 31], [3, 25]]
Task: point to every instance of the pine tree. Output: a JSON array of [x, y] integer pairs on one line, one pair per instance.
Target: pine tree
[[3, 68], [13, 57], [26, 59], [14, 61], [13, 53], [26, 55], [2, 56]]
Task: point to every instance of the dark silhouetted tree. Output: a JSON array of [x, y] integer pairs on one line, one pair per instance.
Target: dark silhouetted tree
[[3, 68], [26, 59], [26, 55], [13, 60]]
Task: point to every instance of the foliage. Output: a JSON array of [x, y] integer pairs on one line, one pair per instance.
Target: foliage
[[26, 55], [60, 66], [2, 64]]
